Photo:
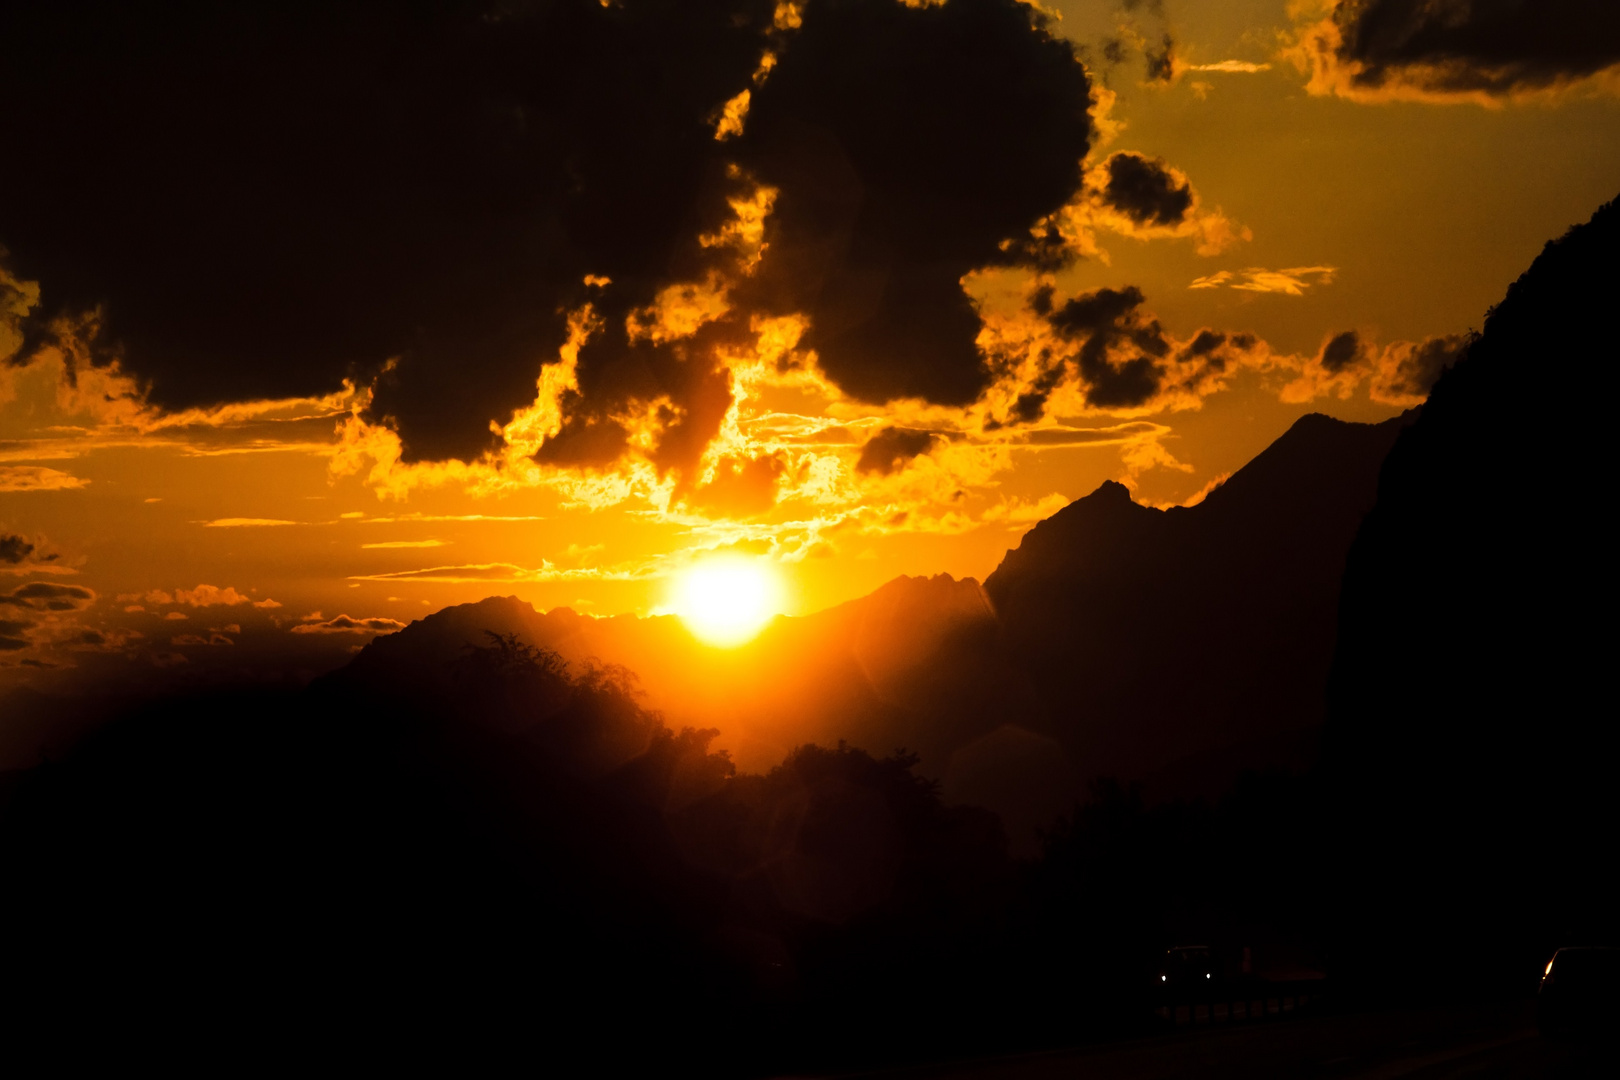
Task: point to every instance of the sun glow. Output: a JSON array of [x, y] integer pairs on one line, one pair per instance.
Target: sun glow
[[725, 602]]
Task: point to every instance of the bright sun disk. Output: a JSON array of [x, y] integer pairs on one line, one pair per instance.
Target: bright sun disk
[[725, 602]]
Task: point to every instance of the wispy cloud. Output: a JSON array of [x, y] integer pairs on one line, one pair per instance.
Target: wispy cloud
[[1018, 512], [345, 624], [407, 544], [37, 478], [1291, 281], [47, 596], [510, 572], [247, 523], [1234, 67], [1061, 434], [359, 518], [441, 517], [198, 639], [201, 596]]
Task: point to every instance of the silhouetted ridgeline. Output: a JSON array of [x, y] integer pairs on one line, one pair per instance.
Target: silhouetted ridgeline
[[1177, 648], [1472, 729], [1181, 646]]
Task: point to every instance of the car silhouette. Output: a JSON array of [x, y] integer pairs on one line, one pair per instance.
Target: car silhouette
[[1580, 993], [1187, 971]]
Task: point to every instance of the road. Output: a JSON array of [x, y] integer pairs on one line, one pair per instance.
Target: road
[[1498, 1042]]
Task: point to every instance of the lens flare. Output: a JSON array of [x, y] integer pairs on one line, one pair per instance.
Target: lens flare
[[726, 602]]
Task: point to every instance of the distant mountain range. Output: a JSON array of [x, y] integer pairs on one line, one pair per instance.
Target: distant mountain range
[[1174, 647]]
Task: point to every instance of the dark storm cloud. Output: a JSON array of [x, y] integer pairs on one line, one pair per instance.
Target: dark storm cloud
[[907, 144], [1121, 358], [14, 549], [1157, 42], [1206, 343], [265, 197], [1112, 330], [261, 199], [1341, 351], [1147, 190], [44, 596], [1497, 47], [890, 449], [1031, 404], [1160, 60]]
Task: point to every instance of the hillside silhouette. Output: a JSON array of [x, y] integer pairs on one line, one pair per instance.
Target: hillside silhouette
[[1472, 735], [510, 856]]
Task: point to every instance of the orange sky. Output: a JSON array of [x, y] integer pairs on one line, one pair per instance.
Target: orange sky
[[158, 539]]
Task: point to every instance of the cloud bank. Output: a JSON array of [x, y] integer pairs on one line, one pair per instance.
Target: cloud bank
[[1482, 51], [431, 197]]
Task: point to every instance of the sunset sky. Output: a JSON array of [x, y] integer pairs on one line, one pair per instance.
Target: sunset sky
[[310, 325]]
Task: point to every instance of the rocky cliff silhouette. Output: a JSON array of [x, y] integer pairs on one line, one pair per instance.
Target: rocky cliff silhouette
[[1472, 733], [1164, 641]]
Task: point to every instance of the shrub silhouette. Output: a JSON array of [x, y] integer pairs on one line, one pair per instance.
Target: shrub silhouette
[[533, 854]]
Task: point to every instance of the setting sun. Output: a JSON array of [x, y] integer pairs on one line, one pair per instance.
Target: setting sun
[[726, 602]]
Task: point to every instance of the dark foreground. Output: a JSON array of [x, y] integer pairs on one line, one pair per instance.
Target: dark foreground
[[1495, 1041]]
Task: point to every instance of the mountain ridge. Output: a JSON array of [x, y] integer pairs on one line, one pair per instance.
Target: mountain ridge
[[1115, 639]]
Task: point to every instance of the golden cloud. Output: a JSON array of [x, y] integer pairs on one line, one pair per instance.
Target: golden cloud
[[1118, 197], [1292, 281], [247, 523], [385, 544], [345, 624], [509, 573], [37, 478], [1401, 373], [201, 596], [1230, 67]]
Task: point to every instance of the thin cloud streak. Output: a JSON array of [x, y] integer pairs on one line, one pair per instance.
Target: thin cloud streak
[[406, 544], [1235, 67], [247, 523], [1292, 281], [509, 573]]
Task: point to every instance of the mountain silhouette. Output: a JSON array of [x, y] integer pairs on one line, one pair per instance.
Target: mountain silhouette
[[1176, 647], [1471, 734], [1164, 641], [867, 671]]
